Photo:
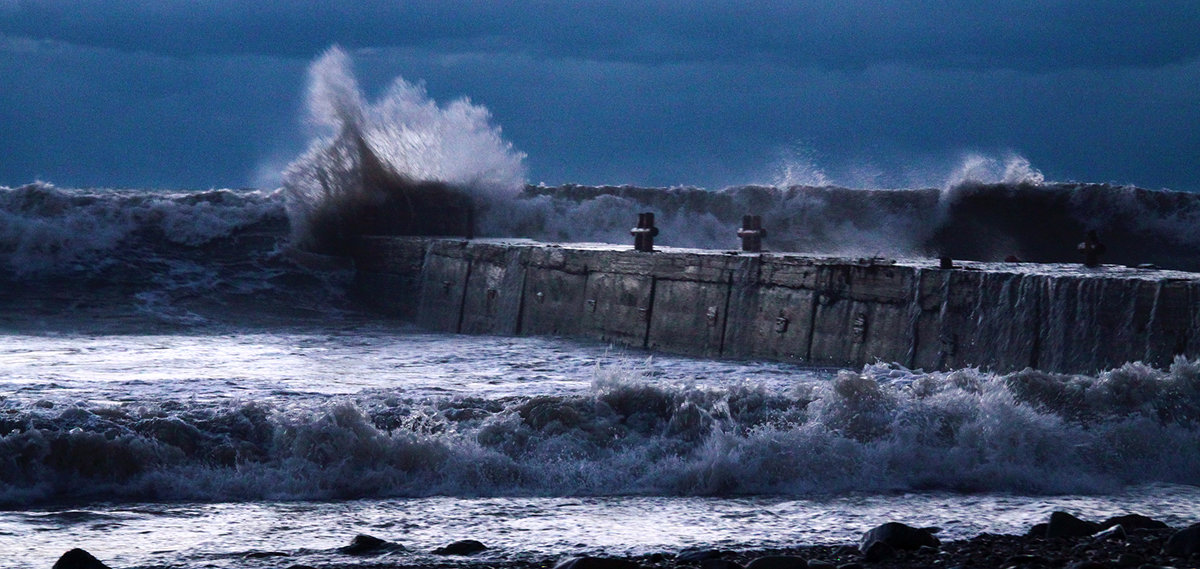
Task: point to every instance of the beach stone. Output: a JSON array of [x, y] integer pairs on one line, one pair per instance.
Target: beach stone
[[1063, 524], [697, 555], [778, 562], [1114, 533], [851, 565], [846, 551], [1130, 560], [820, 564], [1038, 530], [78, 559], [595, 563], [898, 536], [719, 564], [461, 547], [364, 544], [1184, 543], [1133, 522], [1023, 559], [1087, 565], [878, 551]]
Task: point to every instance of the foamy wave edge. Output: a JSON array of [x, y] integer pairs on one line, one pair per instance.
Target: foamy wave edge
[[884, 428]]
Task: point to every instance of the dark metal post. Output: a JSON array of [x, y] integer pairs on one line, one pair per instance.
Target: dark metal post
[[644, 233], [752, 233], [470, 228], [1091, 248]]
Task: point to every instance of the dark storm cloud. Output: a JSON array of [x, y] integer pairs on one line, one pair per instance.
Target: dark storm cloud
[[1019, 34], [199, 93]]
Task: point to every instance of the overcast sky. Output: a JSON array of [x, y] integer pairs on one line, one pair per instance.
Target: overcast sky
[[198, 94]]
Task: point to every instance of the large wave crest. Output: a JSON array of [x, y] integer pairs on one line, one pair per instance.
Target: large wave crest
[[390, 165]]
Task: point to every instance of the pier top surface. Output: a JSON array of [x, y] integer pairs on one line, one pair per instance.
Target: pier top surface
[[1076, 270]]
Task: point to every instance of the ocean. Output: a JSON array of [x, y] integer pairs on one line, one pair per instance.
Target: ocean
[[179, 389], [188, 378]]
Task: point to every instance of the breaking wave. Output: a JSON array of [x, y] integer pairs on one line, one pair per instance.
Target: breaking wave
[[388, 166], [881, 429], [166, 257], [45, 229], [1023, 218]]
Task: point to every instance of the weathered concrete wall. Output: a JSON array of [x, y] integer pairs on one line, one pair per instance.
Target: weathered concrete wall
[[820, 311]]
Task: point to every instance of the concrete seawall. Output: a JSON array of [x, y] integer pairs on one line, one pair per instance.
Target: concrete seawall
[[819, 311]]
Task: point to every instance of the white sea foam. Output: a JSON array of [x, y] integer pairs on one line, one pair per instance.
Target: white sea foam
[[882, 428]]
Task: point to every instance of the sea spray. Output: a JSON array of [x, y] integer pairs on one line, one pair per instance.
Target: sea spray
[[388, 166]]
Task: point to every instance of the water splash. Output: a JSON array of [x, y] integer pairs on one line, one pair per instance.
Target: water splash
[[401, 145], [797, 166], [980, 169]]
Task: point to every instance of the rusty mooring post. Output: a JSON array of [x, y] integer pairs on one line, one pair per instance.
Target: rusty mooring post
[[752, 233], [644, 233], [1091, 248], [469, 230]]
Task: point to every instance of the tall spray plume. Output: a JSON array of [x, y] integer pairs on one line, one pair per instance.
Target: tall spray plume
[[402, 164]]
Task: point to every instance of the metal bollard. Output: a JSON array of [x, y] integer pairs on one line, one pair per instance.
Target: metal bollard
[[1091, 248], [644, 233], [752, 233]]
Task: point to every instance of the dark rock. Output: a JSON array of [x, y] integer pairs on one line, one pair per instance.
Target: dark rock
[[1038, 530], [1130, 560], [1087, 565], [1184, 543], [716, 563], [846, 551], [264, 554], [851, 565], [898, 536], [778, 562], [78, 559], [364, 544], [697, 555], [1114, 533], [1063, 524], [461, 547], [595, 563], [1024, 559], [820, 564], [878, 551], [1133, 521]]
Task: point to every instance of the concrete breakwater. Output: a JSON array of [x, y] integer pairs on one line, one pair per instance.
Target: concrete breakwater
[[814, 310]]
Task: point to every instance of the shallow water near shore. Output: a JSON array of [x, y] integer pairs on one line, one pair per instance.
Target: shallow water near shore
[[528, 529], [537, 447]]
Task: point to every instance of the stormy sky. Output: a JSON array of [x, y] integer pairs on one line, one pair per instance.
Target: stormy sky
[[210, 93]]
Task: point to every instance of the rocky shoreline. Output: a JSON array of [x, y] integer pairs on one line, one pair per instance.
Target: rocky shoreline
[[1064, 541]]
